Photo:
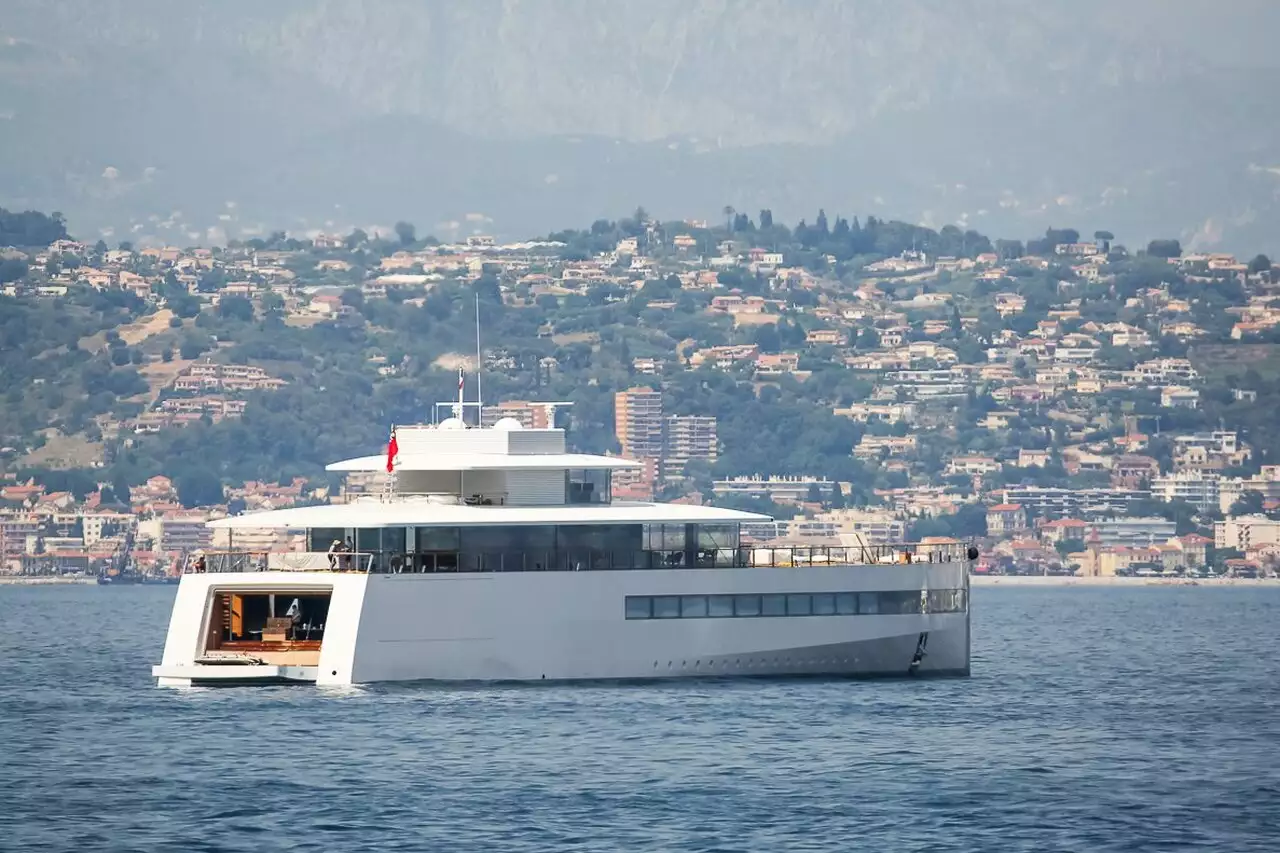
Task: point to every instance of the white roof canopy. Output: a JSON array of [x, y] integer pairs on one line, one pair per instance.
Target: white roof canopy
[[483, 462], [425, 513]]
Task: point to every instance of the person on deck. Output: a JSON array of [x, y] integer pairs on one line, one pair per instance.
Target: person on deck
[[333, 555]]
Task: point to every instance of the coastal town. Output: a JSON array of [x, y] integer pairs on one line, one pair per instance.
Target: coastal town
[[1076, 407]]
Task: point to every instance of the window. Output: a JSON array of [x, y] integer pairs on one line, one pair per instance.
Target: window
[[587, 486], [320, 538], [639, 607], [720, 605], [693, 606], [750, 605], [799, 605], [902, 603], [946, 601], [717, 544], [602, 546], [666, 607], [437, 539]]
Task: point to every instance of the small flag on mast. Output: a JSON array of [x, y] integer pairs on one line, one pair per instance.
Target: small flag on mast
[[393, 450]]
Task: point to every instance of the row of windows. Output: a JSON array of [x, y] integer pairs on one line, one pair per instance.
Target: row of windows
[[795, 604]]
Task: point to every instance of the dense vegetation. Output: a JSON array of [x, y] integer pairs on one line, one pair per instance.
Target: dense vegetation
[[580, 346], [48, 380], [30, 228]]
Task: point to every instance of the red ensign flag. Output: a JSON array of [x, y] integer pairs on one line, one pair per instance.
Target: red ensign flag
[[393, 447]]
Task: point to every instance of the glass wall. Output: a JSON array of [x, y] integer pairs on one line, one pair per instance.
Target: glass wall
[[587, 486], [322, 538], [599, 546], [536, 547]]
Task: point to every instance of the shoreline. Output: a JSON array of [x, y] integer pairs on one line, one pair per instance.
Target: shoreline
[[50, 580], [975, 580], [1071, 580]]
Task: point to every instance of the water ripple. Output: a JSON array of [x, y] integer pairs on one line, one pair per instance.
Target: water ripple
[[1096, 720]]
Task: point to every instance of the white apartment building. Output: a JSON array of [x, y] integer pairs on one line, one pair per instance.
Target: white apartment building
[[1246, 531], [776, 488], [1199, 490]]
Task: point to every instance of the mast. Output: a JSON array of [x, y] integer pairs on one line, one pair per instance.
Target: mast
[[458, 409], [479, 368]]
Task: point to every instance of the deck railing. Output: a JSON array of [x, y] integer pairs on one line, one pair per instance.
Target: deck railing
[[573, 559], [443, 498]]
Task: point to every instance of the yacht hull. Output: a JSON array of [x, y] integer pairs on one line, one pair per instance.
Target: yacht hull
[[564, 626]]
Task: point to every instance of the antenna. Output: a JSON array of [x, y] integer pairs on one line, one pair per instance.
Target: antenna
[[479, 368]]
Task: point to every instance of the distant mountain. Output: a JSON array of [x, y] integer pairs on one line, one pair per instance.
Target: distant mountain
[[169, 120]]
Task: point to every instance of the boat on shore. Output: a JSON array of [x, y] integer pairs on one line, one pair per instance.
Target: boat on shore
[[493, 554]]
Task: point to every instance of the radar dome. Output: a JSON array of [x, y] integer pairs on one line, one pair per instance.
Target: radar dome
[[452, 423], [508, 424]]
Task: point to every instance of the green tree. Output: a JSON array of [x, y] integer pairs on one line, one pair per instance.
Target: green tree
[[1250, 503], [1260, 263], [235, 308], [352, 297], [406, 233], [198, 487], [1164, 249], [12, 269]]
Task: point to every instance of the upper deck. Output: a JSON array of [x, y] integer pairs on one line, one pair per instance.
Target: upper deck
[[449, 475], [512, 499], [503, 465]]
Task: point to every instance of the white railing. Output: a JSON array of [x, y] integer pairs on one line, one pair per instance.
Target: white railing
[[442, 498], [218, 562]]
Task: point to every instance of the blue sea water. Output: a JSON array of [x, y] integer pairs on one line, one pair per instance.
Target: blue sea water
[[1096, 720]]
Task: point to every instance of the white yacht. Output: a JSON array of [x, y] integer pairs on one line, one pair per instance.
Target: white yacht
[[492, 554]]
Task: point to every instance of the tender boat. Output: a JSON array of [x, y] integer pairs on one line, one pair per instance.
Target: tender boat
[[492, 554]]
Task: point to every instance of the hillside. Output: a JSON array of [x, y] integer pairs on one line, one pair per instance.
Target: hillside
[[876, 353], [530, 116]]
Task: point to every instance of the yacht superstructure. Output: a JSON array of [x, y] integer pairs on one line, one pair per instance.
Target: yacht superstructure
[[494, 555]]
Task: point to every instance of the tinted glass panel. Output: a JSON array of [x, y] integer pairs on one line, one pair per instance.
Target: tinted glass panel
[[868, 602], [799, 605], [944, 600], [437, 538], [900, 602], [773, 605], [320, 538], [720, 605], [586, 486], [846, 603], [717, 536], [746, 605], [824, 604], [666, 607], [693, 606], [639, 606]]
